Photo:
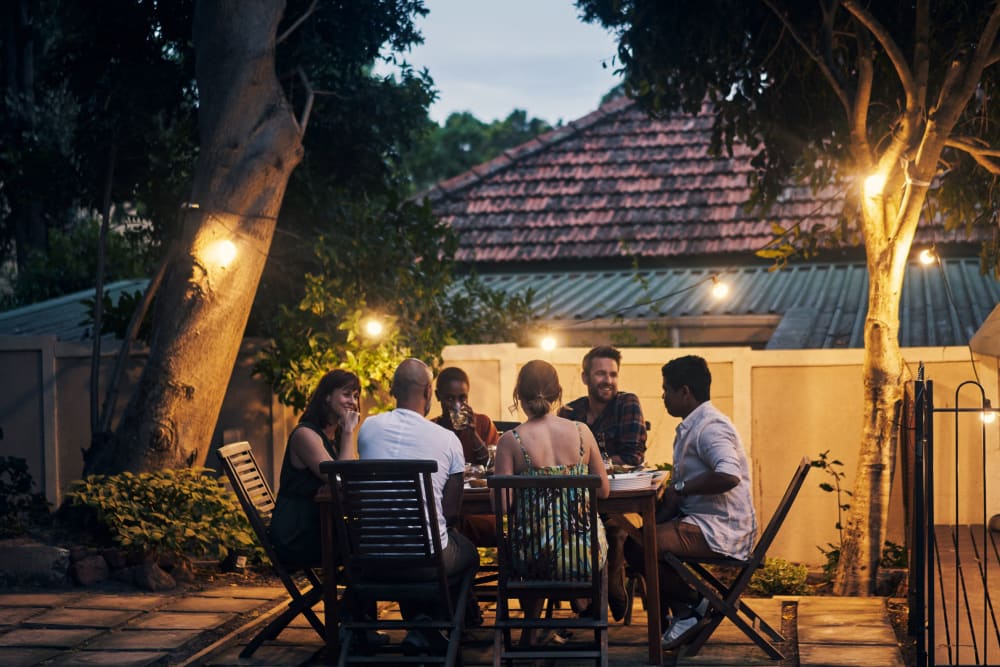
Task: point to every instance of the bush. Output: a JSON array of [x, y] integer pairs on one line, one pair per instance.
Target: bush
[[779, 577], [19, 507], [165, 513]]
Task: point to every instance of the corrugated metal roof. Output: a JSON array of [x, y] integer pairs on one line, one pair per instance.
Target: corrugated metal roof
[[817, 305], [64, 316]]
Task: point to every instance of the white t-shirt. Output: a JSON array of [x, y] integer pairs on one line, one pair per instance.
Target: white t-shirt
[[406, 435]]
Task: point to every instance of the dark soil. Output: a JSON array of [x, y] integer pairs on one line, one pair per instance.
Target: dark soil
[[899, 616]]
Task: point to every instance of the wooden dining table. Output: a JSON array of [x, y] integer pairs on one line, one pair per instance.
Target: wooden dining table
[[477, 501]]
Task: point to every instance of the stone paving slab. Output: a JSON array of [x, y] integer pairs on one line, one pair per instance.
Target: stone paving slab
[[181, 621], [132, 640], [83, 618], [257, 592], [859, 634], [14, 615], [25, 657], [37, 599], [54, 637], [109, 601], [818, 655], [108, 659], [270, 654], [211, 604]]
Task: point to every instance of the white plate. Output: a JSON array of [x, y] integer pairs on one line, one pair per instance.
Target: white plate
[[629, 481]]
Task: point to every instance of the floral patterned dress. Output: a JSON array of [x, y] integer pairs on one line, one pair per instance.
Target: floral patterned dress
[[538, 549]]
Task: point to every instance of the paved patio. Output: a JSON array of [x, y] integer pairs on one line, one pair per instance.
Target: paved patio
[[134, 629]]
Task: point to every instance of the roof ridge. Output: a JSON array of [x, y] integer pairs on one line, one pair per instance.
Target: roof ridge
[[527, 149]]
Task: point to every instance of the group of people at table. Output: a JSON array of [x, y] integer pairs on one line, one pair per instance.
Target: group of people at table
[[705, 511]]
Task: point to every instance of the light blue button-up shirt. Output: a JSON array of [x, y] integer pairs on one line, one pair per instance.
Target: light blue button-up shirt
[[707, 440]]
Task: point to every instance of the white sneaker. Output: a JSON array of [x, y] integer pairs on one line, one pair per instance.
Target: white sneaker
[[679, 632]]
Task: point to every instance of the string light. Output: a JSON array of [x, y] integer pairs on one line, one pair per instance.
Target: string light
[[221, 253], [987, 415], [874, 185], [720, 290], [374, 327], [549, 343], [927, 256]]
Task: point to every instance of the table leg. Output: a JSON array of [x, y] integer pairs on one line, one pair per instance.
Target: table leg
[[652, 580], [331, 609]]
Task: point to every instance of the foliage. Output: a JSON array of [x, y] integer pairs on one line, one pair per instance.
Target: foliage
[[463, 142], [19, 507], [835, 469], [894, 555], [777, 576], [105, 104], [167, 512], [70, 263], [393, 262]]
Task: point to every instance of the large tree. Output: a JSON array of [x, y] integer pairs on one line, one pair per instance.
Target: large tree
[[891, 101], [251, 121]]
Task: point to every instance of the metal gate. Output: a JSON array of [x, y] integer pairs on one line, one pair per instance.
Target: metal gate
[[954, 562]]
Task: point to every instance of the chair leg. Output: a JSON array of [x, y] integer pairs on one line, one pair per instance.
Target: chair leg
[[630, 586]]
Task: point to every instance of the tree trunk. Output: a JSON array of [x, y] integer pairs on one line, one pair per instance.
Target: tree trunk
[[249, 144]]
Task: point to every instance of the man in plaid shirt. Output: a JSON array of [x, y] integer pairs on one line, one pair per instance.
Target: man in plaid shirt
[[615, 417]]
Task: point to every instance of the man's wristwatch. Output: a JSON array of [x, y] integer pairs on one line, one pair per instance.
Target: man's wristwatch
[[679, 488]]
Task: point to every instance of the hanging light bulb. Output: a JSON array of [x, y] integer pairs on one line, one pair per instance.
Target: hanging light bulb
[[987, 415], [720, 290], [374, 327], [927, 256], [874, 185]]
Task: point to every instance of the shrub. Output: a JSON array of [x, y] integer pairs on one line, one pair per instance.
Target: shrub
[[779, 577], [19, 507], [167, 512]]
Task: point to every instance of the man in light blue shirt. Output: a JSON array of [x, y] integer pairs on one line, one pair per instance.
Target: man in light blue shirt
[[708, 508], [405, 433]]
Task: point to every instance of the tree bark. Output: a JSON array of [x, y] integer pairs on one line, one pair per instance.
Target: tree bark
[[883, 385], [249, 144]]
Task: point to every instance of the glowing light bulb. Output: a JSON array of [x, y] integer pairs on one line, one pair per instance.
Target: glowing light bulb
[[374, 327], [220, 253], [874, 185], [549, 343], [987, 415], [927, 257], [719, 289]]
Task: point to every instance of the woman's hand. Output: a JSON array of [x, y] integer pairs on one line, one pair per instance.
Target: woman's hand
[[349, 420]]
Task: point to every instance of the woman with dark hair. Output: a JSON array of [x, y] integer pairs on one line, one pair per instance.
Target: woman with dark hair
[[549, 445], [326, 431]]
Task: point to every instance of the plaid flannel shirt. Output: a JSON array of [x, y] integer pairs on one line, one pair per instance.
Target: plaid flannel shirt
[[621, 424]]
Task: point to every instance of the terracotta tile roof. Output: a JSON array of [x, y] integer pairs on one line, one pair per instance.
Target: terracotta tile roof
[[617, 184]]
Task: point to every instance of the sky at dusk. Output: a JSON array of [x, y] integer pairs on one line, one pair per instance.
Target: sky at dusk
[[493, 56]]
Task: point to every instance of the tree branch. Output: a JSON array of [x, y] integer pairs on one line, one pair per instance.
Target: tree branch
[[838, 89], [298, 22], [892, 50], [983, 154]]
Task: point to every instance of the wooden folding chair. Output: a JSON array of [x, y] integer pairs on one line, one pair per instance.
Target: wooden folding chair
[[573, 572], [724, 600], [387, 534], [257, 501]]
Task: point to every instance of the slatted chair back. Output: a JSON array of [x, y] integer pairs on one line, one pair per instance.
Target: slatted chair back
[[388, 536], [549, 547], [257, 501]]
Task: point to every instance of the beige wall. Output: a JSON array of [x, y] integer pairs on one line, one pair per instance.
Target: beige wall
[[786, 405], [45, 408]]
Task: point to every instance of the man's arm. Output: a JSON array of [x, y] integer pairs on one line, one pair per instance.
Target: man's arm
[[451, 498], [631, 446]]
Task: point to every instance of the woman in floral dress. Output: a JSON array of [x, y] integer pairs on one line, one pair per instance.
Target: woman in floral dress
[[549, 445]]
